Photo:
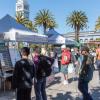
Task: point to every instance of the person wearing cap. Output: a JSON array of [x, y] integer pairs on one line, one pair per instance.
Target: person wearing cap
[[23, 76], [64, 63], [86, 73]]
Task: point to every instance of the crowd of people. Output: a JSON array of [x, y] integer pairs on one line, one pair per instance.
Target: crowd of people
[[33, 69]]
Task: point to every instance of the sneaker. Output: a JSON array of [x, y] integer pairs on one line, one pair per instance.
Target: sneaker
[[65, 82]]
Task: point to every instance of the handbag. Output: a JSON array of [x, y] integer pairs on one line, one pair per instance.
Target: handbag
[[55, 66], [71, 68]]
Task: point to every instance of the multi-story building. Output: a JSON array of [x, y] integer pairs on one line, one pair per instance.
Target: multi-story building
[[22, 7], [85, 37]]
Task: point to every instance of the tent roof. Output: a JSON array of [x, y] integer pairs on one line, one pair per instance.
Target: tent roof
[[52, 32], [57, 38], [7, 23], [10, 30]]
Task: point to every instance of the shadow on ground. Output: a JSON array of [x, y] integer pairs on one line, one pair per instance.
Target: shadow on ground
[[70, 80], [66, 96], [56, 80], [61, 96]]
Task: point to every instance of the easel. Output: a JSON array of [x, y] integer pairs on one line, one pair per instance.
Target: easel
[[4, 76]]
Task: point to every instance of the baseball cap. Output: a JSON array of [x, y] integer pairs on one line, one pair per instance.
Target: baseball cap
[[63, 46]]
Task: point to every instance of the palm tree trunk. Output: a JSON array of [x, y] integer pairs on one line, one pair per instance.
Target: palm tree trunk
[[77, 34], [44, 27]]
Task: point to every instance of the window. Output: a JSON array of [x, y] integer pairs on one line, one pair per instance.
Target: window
[[91, 39], [86, 40], [26, 14], [26, 7], [19, 7]]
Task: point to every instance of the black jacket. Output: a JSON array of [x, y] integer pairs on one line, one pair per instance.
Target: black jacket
[[23, 74], [87, 68]]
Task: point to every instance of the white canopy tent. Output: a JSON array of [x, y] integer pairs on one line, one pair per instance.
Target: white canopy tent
[[25, 36], [13, 32], [56, 38], [10, 30]]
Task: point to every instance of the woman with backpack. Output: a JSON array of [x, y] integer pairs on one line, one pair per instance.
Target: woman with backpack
[[39, 79], [42, 70]]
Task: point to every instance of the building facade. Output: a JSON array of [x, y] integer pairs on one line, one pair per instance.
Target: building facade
[[85, 37], [22, 7]]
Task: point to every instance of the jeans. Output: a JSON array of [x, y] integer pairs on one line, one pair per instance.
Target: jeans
[[98, 64], [39, 87], [83, 88]]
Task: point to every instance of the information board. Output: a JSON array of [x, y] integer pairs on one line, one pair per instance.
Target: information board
[[4, 55]]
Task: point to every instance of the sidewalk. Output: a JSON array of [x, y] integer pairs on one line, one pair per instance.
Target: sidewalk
[[57, 91]]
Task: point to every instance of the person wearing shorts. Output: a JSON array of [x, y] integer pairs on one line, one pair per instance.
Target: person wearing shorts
[[64, 70], [64, 66]]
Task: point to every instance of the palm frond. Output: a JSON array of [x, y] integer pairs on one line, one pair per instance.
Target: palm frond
[[77, 20], [45, 19]]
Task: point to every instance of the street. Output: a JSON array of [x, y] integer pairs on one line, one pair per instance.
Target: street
[[57, 91]]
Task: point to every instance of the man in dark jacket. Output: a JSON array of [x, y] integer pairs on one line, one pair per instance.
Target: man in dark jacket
[[23, 76], [86, 73]]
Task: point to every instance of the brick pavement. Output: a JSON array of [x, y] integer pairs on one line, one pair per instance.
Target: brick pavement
[[57, 91]]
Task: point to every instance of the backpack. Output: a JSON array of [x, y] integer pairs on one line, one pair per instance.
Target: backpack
[[44, 67], [66, 57]]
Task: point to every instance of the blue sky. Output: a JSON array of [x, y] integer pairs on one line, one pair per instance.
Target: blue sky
[[59, 8]]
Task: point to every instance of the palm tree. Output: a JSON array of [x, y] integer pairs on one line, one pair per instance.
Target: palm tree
[[78, 21], [97, 26], [20, 19], [52, 24], [44, 18], [31, 26]]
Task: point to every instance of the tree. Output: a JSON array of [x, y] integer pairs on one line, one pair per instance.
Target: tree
[[20, 19], [97, 26], [78, 21], [52, 24], [31, 26], [44, 18], [27, 23]]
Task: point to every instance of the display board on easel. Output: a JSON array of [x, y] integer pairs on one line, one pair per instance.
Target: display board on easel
[[4, 55]]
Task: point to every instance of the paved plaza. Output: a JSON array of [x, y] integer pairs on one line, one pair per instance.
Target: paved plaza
[[57, 91]]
